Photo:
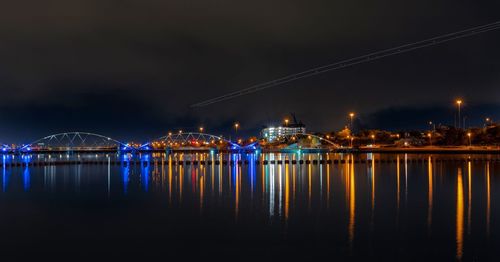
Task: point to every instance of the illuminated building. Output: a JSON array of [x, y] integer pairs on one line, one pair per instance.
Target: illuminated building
[[273, 133]]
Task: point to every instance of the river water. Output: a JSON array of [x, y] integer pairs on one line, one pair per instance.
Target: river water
[[387, 207]]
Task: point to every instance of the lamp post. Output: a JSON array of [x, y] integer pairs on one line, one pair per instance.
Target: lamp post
[[286, 122], [469, 135], [373, 138], [487, 121], [351, 116], [236, 126], [201, 129], [430, 138], [459, 104], [432, 126]]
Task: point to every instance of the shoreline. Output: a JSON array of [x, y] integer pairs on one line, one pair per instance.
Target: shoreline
[[435, 150]]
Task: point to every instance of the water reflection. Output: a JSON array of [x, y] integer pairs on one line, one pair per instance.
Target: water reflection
[[430, 193], [352, 200], [398, 189], [26, 179], [488, 199], [336, 194], [287, 191], [469, 191], [460, 215], [372, 177]]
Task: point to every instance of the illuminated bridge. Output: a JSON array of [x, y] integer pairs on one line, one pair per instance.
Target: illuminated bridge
[[88, 142], [189, 141], [75, 141], [194, 141], [4, 147]]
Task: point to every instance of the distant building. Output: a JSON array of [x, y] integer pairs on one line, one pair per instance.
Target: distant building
[[273, 133]]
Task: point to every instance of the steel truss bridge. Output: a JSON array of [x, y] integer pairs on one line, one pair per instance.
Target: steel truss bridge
[[75, 141], [4, 147], [193, 140], [91, 142]]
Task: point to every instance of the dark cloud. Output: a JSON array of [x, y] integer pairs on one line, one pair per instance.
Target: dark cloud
[[132, 68]]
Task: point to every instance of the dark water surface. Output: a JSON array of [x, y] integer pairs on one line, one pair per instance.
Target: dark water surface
[[398, 209]]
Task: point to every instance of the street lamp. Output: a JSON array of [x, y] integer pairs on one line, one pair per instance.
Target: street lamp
[[469, 135], [430, 138], [236, 126], [432, 126], [351, 116], [201, 129], [373, 138], [459, 104], [488, 121], [286, 122]]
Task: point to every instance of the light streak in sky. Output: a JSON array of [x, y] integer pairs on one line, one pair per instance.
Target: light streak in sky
[[353, 61]]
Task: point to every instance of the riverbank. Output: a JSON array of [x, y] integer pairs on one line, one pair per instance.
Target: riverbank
[[430, 149]]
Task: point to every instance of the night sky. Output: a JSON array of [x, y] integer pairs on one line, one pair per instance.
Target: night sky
[[130, 69]]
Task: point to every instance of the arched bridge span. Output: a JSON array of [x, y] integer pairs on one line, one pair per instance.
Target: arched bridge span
[[75, 141], [191, 140]]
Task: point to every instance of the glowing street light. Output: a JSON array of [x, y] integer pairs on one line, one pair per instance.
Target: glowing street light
[[430, 138], [432, 126], [373, 138], [459, 104], [180, 132], [236, 126], [286, 122], [469, 135], [350, 138], [201, 129], [351, 116]]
